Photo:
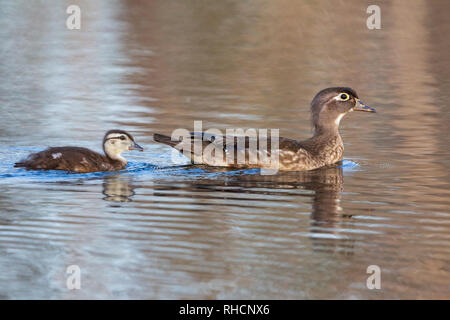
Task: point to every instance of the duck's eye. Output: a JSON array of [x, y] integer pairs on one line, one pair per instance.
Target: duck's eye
[[122, 138], [344, 97]]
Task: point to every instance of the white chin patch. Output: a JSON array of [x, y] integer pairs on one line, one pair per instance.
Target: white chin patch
[[338, 119]]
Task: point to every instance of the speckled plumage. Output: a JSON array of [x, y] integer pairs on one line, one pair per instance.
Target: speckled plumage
[[70, 159], [323, 149]]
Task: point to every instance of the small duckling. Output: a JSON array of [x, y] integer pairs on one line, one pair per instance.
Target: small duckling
[[324, 148], [83, 160]]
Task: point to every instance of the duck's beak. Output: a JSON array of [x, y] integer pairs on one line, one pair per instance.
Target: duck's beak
[[362, 107], [135, 146]]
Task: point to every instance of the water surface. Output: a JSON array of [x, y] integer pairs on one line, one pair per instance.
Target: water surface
[[157, 230]]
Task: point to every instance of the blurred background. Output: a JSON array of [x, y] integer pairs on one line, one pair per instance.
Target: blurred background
[[158, 231]]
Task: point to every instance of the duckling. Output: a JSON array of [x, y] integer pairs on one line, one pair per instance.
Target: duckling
[[83, 160], [324, 148]]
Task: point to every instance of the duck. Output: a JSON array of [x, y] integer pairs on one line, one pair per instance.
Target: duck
[[324, 148], [83, 160]]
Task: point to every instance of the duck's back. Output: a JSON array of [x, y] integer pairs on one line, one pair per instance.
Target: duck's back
[[69, 159]]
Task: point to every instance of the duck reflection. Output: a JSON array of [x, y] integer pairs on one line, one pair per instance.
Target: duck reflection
[[327, 184], [118, 188], [327, 216]]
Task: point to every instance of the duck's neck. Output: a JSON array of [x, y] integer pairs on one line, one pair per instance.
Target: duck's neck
[[327, 124], [117, 157], [328, 130], [114, 156], [326, 144]]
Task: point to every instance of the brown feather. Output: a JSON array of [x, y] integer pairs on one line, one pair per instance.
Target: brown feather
[[76, 159]]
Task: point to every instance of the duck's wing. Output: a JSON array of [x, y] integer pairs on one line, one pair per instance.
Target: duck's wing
[[236, 151], [237, 142]]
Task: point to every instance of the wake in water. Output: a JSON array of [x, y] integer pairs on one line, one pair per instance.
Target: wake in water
[[134, 168]]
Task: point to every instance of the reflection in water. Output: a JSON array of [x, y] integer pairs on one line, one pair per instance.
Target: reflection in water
[[326, 183], [326, 213], [118, 188], [153, 66]]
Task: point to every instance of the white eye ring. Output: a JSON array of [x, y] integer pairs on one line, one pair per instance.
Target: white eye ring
[[343, 96]]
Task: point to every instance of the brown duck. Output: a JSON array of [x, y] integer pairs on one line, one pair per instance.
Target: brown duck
[[324, 148], [83, 160]]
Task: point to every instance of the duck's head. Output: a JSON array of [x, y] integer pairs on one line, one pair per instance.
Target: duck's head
[[117, 141], [330, 105]]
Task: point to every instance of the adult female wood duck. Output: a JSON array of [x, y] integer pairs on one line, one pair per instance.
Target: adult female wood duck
[[83, 160], [324, 148]]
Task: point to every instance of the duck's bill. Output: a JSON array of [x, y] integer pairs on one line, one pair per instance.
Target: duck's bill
[[135, 146], [362, 107]]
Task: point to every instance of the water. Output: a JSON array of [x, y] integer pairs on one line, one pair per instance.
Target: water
[[157, 230]]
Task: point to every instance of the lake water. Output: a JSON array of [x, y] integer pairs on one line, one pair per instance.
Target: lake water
[[163, 231]]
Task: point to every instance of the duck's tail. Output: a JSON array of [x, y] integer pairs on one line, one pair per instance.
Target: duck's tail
[[165, 139], [20, 164], [186, 146]]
